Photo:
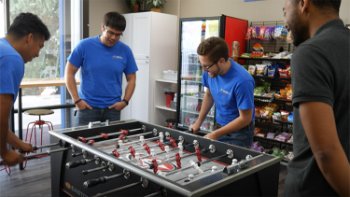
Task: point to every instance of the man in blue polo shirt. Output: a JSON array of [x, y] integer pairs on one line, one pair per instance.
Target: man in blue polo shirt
[[103, 60], [23, 41], [230, 87]]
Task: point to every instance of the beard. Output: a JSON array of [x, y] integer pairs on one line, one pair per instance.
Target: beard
[[299, 37], [300, 32]]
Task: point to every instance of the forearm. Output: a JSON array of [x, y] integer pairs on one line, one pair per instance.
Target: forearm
[[130, 86], [70, 81], [129, 90], [6, 102], [205, 108], [335, 168], [72, 87], [13, 139], [235, 125], [320, 128], [3, 137]]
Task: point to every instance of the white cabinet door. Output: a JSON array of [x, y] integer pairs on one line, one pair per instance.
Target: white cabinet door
[[138, 107], [141, 35], [140, 99], [127, 34]]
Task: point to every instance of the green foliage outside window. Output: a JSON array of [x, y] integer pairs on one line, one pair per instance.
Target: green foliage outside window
[[47, 64]]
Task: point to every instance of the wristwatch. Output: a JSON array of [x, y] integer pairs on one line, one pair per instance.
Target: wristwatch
[[125, 101]]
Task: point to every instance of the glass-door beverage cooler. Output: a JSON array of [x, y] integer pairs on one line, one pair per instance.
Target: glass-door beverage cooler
[[190, 88]]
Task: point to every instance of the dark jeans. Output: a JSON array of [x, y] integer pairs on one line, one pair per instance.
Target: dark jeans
[[90, 115], [243, 137]]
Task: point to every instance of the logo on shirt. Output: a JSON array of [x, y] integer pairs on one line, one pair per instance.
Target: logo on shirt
[[224, 91], [117, 57]]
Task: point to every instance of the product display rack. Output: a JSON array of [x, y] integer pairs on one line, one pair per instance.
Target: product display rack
[[268, 127]]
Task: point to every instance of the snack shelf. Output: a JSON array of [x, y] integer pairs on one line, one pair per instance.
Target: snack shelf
[[283, 100], [273, 86], [263, 99], [284, 80], [283, 122], [272, 140], [271, 99]]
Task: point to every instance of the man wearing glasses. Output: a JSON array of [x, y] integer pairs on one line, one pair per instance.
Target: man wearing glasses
[[103, 60], [230, 87]]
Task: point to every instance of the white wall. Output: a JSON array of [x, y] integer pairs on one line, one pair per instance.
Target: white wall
[[172, 7], [98, 8], [266, 10], [345, 11]]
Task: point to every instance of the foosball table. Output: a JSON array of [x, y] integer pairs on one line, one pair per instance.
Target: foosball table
[[133, 158]]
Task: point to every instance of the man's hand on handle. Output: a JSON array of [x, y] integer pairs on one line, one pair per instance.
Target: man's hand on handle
[[194, 128]]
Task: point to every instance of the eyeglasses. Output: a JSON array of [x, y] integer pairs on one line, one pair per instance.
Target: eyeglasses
[[111, 33], [208, 67]]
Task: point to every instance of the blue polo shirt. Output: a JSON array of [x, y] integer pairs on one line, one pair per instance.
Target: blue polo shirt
[[11, 69], [102, 69], [231, 92]]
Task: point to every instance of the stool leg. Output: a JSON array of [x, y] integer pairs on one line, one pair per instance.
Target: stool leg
[[8, 170], [34, 130], [49, 125], [41, 136], [27, 132]]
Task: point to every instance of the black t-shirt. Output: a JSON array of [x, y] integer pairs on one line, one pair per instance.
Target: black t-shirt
[[320, 72]]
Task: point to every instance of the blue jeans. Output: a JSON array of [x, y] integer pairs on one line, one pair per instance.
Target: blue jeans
[[90, 115], [243, 137]]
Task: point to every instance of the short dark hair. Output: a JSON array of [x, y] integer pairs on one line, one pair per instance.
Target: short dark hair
[[334, 4], [214, 48], [26, 23], [115, 21]]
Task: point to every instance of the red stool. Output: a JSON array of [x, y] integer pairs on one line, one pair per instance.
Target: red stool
[[40, 123]]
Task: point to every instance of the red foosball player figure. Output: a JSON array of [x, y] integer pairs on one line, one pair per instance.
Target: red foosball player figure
[[146, 147], [132, 151], [173, 142], [116, 153], [155, 165], [178, 160], [199, 155], [161, 145]]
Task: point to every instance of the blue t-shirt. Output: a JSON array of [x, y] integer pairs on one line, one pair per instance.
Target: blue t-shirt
[[102, 69], [231, 92], [11, 69]]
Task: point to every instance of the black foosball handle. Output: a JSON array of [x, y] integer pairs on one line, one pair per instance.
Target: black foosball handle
[[93, 182], [77, 154], [74, 164]]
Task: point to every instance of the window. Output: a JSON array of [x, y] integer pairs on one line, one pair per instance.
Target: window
[[47, 64], [3, 20], [59, 16]]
